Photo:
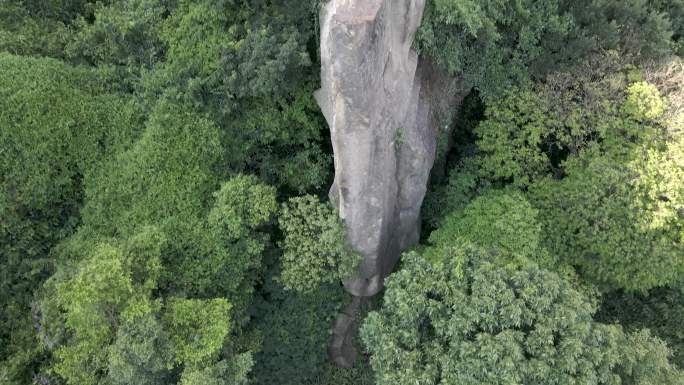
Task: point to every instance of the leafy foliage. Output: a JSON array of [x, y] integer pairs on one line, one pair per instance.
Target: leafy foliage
[[465, 182], [529, 132], [296, 332], [145, 147], [661, 311], [494, 44], [164, 180], [462, 319], [194, 329], [515, 130], [224, 372], [197, 328], [57, 123], [668, 77], [675, 12], [243, 207], [619, 222], [229, 61], [637, 28], [26, 31], [644, 102], [162, 176], [240, 51], [123, 33], [603, 171], [115, 330], [360, 374], [499, 220], [314, 249], [111, 286], [491, 43], [645, 360], [140, 353]]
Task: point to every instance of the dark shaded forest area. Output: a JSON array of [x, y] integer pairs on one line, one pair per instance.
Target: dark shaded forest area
[[164, 214]]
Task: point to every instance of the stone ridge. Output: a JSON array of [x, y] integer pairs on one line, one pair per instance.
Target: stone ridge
[[383, 145], [385, 107]]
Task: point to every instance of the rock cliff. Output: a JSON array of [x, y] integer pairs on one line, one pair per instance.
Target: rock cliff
[[383, 146], [378, 107]]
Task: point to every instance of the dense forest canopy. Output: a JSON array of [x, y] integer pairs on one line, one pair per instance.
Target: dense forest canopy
[[163, 198]]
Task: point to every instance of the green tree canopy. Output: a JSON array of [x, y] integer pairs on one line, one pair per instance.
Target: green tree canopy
[[197, 328], [465, 181], [618, 222], [155, 227], [89, 299], [494, 44], [617, 212], [528, 132], [490, 43], [315, 251], [106, 324], [58, 122], [603, 169], [502, 221], [167, 179], [661, 311], [462, 319], [296, 329], [250, 68]]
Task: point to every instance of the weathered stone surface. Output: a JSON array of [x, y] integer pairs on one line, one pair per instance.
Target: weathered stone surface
[[384, 107], [383, 143]]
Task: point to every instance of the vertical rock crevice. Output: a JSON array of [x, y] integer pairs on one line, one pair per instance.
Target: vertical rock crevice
[[383, 134]]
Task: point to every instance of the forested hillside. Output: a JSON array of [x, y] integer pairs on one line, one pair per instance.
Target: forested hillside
[[165, 219]]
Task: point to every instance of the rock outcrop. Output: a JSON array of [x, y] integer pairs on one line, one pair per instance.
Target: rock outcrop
[[383, 146], [384, 136]]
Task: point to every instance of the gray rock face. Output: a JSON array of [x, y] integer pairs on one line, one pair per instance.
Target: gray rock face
[[382, 138], [384, 107]]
